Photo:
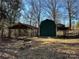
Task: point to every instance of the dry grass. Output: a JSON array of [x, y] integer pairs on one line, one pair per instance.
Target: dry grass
[[44, 48], [50, 48], [52, 40]]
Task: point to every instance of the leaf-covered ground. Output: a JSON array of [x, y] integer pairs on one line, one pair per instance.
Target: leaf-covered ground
[[40, 48]]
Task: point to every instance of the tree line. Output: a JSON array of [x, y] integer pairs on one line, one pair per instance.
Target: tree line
[[33, 11]]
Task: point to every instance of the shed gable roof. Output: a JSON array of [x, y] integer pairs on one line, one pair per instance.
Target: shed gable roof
[[22, 26]]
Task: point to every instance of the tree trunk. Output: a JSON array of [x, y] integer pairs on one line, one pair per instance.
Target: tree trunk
[[19, 32], [2, 32], [54, 16], [70, 22], [9, 33], [39, 25]]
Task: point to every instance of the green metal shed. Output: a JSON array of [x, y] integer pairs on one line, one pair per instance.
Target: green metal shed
[[48, 28]]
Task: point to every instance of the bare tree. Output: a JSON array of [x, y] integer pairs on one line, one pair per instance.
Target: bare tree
[[71, 8], [11, 8], [51, 6], [34, 14]]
